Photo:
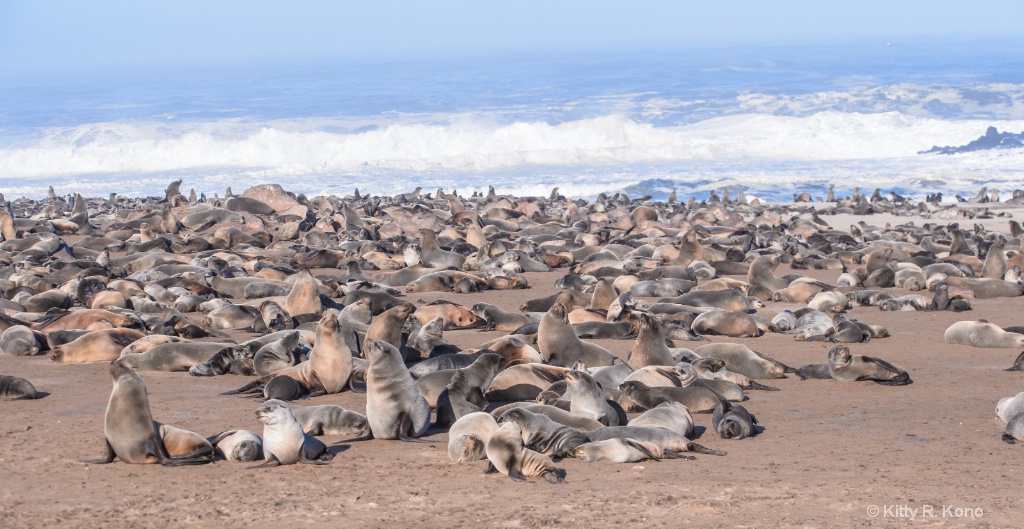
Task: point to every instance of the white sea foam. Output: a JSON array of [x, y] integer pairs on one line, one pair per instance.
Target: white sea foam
[[275, 149]]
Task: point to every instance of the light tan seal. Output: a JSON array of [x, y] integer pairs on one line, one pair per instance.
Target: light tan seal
[[238, 445], [284, 442], [982, 334], [96, 346], [468, 436], [508, 455]]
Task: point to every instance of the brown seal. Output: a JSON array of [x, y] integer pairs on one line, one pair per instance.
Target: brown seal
[[128, 426]]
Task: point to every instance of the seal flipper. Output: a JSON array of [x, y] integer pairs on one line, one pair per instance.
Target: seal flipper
[[405, 430], [902, 379], [1008, 439], [555, 476], [669, 454], [248, 388], [698, 449], [1017, 363], [365, 436], [490, 469], [271, 461], [352, 385], [762, 387], [108, 458], [517, 475], [643, 449]]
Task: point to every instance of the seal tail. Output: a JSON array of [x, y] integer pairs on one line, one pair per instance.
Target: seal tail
[[251, 387], [698, 449]]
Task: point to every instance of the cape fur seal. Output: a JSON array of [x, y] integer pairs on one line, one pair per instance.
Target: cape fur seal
[[96, 346], [543, 434], [16, 388], [587, 399], [284, 442], [394, 407], [696, 399], [328, 419], [238, 445], [508, 455], [650, 348], [741, 359], [666, 439], [982, 334], [468, 436], [559, 345], [129, 429], [847, 367], [732, 421], [623, 450]]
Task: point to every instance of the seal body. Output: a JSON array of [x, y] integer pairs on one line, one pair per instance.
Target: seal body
[[394, 407]]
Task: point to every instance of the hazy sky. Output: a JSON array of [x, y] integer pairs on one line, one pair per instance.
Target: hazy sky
[[46, 36]]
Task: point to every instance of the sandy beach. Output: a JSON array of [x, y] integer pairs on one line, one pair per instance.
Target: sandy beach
[[832, 454]]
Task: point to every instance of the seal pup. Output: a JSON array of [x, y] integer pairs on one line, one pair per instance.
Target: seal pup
[[726, 323], [238, 445], [96, 346], [468, 436], [498, 319], [19, 340], [688, 377], [285, 388], [284, 442], [179, 442], [394, 407], [543, 434], [328, 419], [16, 388], [741, 359], [981, 333], [129, 429], [732, 421], [664, 438], [848, 367], [507, 454], [696, 399], [670, 415], [558, 415], [623, 450], [237, 360], [714, 369]]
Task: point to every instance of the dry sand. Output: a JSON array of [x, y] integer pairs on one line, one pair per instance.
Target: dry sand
[[831, 452]]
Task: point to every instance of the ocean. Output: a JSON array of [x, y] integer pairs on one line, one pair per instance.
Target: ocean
[[772, 121]]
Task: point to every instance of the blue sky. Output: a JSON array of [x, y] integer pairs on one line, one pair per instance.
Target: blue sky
[[44, 36]]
